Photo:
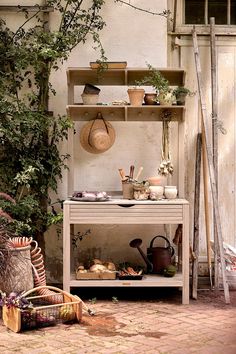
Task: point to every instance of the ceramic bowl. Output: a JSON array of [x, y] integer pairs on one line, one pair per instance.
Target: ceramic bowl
[[170, 192]]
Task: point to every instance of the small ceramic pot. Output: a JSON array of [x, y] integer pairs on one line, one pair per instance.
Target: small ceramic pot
[[180, 99], [150, 98], [89, 98], [170, 192]]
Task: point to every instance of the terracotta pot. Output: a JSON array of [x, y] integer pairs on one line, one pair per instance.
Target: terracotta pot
[[136, 96], [154, 181], [150, 98]]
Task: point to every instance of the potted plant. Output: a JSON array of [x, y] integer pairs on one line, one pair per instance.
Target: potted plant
[[181, 93], [163, 93]]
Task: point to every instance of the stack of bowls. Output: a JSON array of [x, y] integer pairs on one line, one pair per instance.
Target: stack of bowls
[[155, 187]]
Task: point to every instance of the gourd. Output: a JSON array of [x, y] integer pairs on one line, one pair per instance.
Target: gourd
[[169, 271]]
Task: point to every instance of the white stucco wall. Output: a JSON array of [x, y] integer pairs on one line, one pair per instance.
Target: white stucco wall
[[137, 38]]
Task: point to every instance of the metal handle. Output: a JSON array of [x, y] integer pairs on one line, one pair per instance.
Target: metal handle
[[125, 205], [168, 242]]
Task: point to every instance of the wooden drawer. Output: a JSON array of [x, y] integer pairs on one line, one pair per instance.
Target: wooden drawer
[[125, 214]]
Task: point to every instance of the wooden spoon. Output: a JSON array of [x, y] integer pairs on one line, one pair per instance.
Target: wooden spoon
[[139, 173], [122, 174]]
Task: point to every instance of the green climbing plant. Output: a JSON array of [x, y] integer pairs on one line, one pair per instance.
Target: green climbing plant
[[30, 160]]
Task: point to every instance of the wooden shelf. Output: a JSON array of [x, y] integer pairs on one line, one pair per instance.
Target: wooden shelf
[[150, 280], [116, 211], [82, 76], [124, 113]]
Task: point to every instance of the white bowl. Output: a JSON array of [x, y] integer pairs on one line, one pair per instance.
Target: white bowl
[[170, 192]]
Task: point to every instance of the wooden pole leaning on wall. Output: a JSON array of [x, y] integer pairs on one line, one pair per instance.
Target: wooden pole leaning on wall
[[196, 216], [206, 204], [214, 96], [210, 166]]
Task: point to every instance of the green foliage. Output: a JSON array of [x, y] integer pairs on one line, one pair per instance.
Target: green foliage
[[79, 237], [93, 300], [114, 299], [154, 79], [182, 90], [5, 255], [30, 160]]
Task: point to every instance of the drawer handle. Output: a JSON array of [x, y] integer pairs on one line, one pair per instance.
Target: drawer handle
[[125, 205]]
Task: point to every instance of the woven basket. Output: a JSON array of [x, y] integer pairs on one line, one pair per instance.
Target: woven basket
[[45, 312]]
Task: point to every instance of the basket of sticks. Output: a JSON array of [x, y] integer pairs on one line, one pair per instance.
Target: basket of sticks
[[30, 310]]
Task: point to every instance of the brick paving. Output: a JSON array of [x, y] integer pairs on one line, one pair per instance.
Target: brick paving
[[137, 326]]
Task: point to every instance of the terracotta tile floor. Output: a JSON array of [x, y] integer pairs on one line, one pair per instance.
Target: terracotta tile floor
[[154, 322]]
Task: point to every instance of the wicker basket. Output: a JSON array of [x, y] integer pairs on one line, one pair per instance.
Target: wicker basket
[[48, 310]]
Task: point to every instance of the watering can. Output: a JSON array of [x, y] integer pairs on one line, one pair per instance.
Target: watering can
[[157, 258]]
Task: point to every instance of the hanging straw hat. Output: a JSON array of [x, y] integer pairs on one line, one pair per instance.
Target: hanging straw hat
[[97, 135]]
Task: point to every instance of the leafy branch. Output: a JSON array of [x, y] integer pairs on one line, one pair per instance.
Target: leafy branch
[[164, 13], [30, 160]]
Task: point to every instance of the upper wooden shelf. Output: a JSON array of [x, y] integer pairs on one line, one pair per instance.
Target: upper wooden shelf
[[127, 76]]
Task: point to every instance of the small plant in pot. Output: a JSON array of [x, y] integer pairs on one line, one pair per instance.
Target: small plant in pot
[[163, 93], [181, 93]]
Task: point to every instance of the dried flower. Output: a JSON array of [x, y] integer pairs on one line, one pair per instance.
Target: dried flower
[[166, 166]]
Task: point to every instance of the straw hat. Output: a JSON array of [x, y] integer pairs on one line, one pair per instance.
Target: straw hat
[[97, 135]]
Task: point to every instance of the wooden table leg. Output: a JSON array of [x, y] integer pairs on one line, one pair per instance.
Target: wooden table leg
[[185, 255]]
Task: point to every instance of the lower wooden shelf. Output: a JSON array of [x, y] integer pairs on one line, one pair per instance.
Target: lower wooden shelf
[[150, 280], [79, 112]]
